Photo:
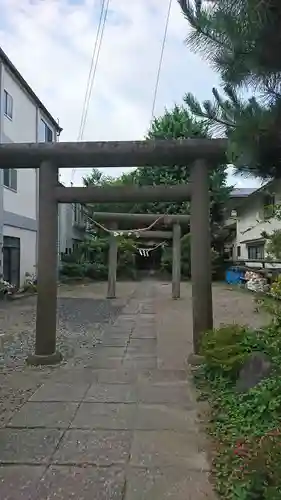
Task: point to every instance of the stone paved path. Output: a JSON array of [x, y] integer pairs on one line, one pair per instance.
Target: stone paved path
[[120, 424]]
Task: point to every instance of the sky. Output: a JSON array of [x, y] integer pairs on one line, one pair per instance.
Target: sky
[[51, 44]]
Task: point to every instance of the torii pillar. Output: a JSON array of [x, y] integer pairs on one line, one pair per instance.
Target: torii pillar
[[112, 263], [46, 315], [201, 265], [176, 266]]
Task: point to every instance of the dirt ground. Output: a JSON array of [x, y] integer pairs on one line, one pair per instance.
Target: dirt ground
[[83, 316]]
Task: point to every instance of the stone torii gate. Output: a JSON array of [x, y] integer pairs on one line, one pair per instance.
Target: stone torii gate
[[49, 157], [133, 220]]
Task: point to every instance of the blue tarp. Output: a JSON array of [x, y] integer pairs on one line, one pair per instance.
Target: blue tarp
[[234, 275]]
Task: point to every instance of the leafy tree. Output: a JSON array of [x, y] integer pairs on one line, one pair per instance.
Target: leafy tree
[[173, 124], [242, 41], [99, 179]]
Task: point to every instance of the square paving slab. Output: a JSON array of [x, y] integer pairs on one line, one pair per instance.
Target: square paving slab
[[111, 393], [61, 392], [121, 376], [163, 417], [82, 483], [105, 416], [98, 362], [140, 362], [75, 376], [169, 393], [101, 448], [28, 446], [54, 415], [168, 483], [167, 448], [19, 482]]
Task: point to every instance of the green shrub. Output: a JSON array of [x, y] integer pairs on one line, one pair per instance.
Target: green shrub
[[73, 270], [95, 271], [245, 426], [225, 348]]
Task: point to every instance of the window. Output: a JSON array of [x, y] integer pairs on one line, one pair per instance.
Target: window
[[255, 252], [8, 105], [238, 251], [45, 133], [268, 206], [11, 178]]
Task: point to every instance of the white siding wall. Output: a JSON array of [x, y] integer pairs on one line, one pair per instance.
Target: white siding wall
[[21, 128], [22, 202], [250, 223], [27, 249]]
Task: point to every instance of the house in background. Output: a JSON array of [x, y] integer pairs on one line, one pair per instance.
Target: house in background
[[72, 227], [23, 118], [252, 215]]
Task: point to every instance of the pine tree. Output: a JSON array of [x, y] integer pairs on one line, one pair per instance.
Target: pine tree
[[242, 41]]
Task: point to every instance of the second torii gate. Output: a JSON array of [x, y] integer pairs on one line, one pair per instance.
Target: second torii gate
[[133, 220]]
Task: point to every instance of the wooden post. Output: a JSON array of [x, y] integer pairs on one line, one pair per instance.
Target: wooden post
[[45, 344], [176, 272], [201, 267], [112, 264]]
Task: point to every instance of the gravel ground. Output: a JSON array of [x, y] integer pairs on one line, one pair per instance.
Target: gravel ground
[[81, 323]]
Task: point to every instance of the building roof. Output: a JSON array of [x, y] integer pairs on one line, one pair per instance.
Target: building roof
[[242, 192], [4, 58]]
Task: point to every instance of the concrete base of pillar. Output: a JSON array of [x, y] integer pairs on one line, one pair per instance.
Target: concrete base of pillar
[[48, 359], [195, 359], [111, 296]]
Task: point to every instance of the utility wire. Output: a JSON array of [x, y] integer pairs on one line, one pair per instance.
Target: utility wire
[[161, 61], [92, 72], [95, 67]]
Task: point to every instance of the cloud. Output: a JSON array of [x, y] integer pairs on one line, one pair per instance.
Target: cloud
[[51, 43]]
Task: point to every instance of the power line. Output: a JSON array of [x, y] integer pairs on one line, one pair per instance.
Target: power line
[[161, 60], [95, 67], [92, 71]]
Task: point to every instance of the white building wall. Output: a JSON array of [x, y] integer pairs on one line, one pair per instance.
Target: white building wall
[[250, 220], [27, 249], [21, 128], [22, 201]]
